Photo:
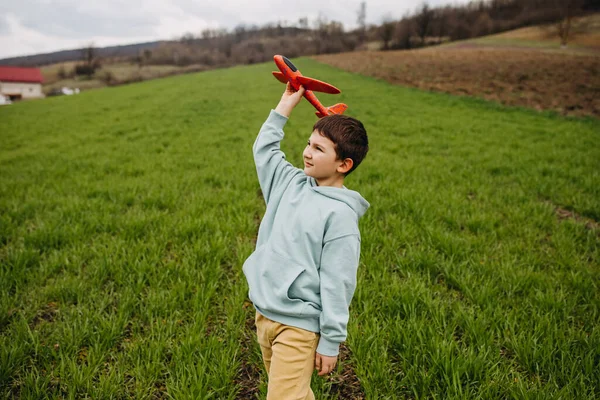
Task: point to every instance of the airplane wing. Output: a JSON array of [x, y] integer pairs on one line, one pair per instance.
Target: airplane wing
[[316, 85], [280, 77]]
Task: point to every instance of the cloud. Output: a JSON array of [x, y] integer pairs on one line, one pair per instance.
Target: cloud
[[24, 40], [17, 39], [37, 26]]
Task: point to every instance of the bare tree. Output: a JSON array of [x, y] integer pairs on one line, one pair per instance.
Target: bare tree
[[423, 20], [90, 61], [568, 9], [403, 32], [303, 23], [240, 32], [144, 56], [439, 25], [320, 32], [62, 72], [187, 39], [88, 54], [386, 32], [483, 25], [361, 20], [221, 32]]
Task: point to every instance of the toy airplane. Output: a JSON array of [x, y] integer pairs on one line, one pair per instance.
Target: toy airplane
[[289, 73]]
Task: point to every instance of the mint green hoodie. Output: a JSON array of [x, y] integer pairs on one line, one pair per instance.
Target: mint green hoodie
[[303, 270]]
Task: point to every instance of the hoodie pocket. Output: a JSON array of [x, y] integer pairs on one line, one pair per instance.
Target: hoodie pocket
[[270, 277]]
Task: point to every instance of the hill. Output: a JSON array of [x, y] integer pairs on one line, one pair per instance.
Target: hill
[[584, 37], [525, 67], [216, 41], [64, 56]]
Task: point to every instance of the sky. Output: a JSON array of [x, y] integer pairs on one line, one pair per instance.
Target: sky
[[42, 26]]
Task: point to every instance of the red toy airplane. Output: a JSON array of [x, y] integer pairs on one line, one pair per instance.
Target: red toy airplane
[[289, 73]]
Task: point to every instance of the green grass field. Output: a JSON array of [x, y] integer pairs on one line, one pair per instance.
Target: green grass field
[[126, 215]]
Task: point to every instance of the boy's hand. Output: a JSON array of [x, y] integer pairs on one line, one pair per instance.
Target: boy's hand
[[289, 100], [324, 364]]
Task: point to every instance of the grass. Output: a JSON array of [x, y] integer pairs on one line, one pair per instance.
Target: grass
[[127, 214], [542, 45]]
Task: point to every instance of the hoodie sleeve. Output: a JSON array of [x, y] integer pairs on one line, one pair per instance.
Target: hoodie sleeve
[[272, 168], [339, 263]]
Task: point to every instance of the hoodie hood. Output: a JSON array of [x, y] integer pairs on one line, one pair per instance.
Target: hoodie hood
[[352, 198]]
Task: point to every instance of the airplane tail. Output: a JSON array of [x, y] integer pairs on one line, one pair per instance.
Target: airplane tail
[[335, 109]]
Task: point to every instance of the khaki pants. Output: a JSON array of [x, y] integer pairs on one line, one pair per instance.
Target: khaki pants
[[289, 356]]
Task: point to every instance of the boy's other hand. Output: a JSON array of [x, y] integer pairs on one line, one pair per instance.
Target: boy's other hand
[[289, 100], [324, 364]]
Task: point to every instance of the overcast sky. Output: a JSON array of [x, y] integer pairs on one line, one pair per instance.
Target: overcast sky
[[41, 26]]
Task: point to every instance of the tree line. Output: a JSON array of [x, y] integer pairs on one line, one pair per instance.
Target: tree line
[[428, 25], [248, 44]]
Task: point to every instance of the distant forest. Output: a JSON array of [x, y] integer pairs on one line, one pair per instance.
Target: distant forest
[[247, 44]]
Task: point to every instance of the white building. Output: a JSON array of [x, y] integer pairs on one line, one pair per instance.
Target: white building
[[19, 83]]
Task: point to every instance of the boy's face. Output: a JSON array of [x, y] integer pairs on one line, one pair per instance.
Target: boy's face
[[320, 159]]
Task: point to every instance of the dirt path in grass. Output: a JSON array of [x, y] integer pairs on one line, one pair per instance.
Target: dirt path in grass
[[566, 83]]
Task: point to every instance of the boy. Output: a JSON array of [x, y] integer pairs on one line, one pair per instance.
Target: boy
[[302, 274]]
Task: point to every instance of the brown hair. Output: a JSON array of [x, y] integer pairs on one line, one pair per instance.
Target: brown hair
[[349, 136]]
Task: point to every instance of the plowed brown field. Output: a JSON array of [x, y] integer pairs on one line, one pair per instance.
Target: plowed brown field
[[566, 83]]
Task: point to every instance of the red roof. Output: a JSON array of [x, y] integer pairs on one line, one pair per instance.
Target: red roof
[[18, 74]]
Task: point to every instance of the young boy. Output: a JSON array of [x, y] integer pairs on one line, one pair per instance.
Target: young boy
[[302, 274]]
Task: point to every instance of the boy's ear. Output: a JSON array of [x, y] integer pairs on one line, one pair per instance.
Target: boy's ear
[[345, 166]]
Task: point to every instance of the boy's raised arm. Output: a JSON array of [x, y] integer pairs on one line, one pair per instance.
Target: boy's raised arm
[[289, 100], [271, 166]]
